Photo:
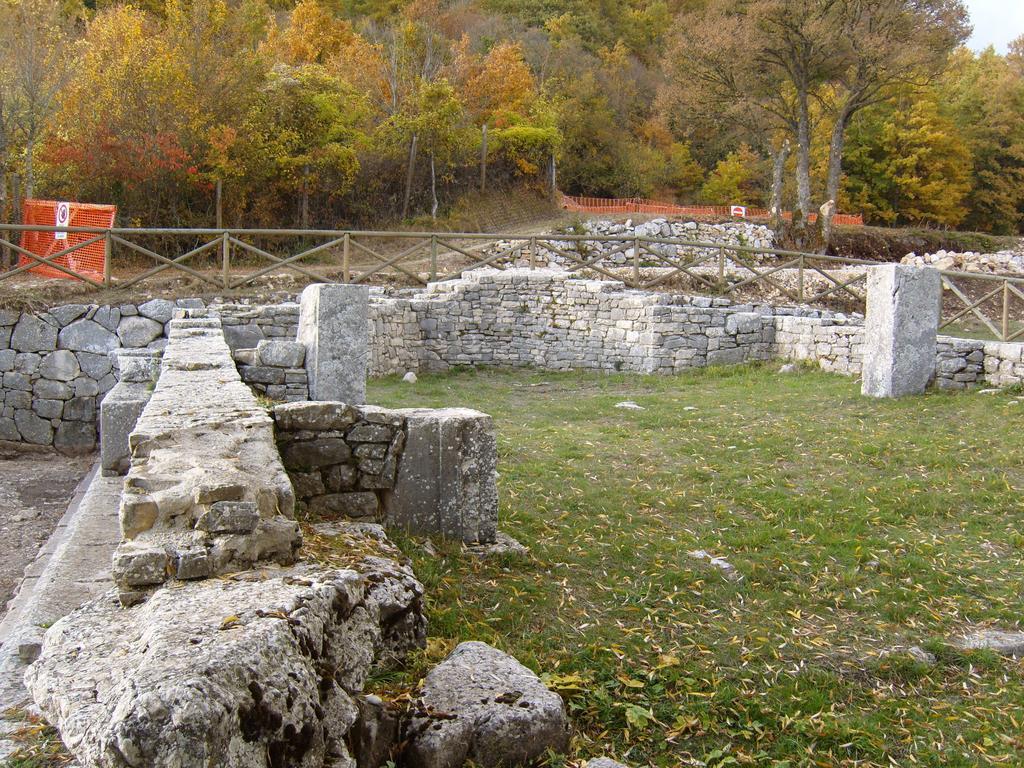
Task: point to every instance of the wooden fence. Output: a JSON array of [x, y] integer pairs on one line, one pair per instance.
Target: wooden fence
[[230, 259]]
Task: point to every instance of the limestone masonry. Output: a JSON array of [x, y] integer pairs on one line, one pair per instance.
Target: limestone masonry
[[56, 366]]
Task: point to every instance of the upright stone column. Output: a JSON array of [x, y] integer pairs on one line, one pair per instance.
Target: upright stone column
[[900, 329], [334, 327], [447, 476]]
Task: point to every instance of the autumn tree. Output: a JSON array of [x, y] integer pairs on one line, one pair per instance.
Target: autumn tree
[[37, 57], [766, 63]]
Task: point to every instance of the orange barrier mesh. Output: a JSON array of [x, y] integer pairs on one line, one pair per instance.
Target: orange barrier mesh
[[610, 206], [87, 260]]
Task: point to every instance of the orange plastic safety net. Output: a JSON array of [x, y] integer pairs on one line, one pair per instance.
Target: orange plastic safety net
[[87, 260], [612, 206]]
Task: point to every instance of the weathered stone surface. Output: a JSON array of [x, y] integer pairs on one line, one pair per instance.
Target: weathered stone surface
[[375, 737], [137, 366], [88, 336], [93, 365], [52, 390], [138, 331], [605, 762], [305, 455], [253, 671], [243, 336], [61, 365], [354, 506], [247, 672], [33, 429], [482, 705], [900, 329], [108, 317], [314, 416], [1007, 643], [32, 334], [447, 476], [48, 409], [68, 313], [284, 354], [81, 409], [160, 310], [229, 517], [203, 439], [334, 328], [119, 412]]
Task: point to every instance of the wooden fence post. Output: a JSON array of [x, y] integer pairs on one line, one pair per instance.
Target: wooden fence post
[[108, 254], [346, 274], [225, 251]]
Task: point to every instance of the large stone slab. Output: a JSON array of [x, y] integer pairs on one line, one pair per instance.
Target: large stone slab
[[900, 330], [334, 328], [250, 671], [447, 476], [482, 705]]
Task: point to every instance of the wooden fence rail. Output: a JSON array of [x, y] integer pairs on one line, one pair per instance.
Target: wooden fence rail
[[233, 258]]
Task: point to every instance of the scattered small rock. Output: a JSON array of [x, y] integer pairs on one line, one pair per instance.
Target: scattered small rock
[[1005, 643], [728, 569], [410, 378], [916, 652], [503, 545], [629, 405], [605, 762], [988, 391], [788, 368]]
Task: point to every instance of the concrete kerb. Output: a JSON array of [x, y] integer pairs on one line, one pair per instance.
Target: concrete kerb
[[71, 568]]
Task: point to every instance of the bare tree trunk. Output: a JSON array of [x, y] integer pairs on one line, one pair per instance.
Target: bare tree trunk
[[483, 160], [835, 155], [803, 158], [305, 198], [30, 173], [778, 171], [409, 176], [433, 188]]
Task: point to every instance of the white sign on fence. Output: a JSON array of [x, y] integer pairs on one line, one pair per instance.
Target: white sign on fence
[[739, 210], [62, 218]]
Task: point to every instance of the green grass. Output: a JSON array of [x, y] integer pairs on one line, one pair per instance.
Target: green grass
[[857, 525]]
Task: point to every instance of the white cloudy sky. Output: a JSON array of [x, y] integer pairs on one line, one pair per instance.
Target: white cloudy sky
[[996, 23]]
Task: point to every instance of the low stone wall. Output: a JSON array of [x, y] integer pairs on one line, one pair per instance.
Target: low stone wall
[[553, 321], [834, 342], [339, 457], [429, 471]]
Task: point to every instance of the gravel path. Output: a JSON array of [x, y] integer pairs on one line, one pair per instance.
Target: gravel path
[[35, 488]]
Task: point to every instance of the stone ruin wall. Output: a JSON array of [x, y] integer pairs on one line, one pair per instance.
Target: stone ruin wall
[[56, 366]]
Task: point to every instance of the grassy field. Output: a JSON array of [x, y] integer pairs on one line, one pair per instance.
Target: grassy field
[[859, 528]]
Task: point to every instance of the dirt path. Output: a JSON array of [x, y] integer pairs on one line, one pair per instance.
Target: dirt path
[[35, 488]]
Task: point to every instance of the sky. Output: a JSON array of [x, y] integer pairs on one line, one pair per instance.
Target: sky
[[996, 23]]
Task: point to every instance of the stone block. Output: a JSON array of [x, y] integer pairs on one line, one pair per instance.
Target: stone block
[[61, 365], [229, 517], [354, 506], [75, 437], [138, 331], [33, 334], [334, 328], [88, 336], [900, 328], [447, 476], [137, 366], [119, 412], [496, 713], [160, 310], [140, 566], [33, 429], [282, 354], [48, 409], [318, 453]]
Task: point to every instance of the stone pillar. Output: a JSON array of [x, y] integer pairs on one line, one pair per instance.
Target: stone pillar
[[447, 476], [900, 329], [334, 327]]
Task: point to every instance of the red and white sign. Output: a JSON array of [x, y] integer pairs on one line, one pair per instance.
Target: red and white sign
[[738, 210], [62, 218]]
